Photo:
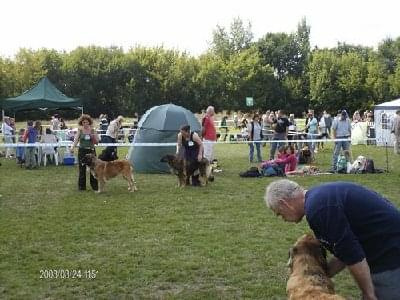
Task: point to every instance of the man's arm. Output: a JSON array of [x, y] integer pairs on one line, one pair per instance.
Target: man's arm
[[76, 139], [335, 265], [178, 143], [361, 274], [197, 139]]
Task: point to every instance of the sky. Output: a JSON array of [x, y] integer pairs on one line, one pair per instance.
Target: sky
[[187, 25]]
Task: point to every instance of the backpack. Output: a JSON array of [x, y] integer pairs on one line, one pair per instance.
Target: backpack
[[252, 172], [341, 165], [369, 166]]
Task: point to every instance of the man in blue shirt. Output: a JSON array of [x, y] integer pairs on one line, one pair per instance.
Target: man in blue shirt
[[358, 226]]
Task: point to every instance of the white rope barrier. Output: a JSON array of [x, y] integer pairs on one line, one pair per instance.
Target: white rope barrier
[[69, 143]]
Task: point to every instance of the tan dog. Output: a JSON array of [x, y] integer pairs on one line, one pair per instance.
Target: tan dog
[[308, 272], [183, 169], [105, 170]]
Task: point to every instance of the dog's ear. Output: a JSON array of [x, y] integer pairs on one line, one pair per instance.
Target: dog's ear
[[319, 252]]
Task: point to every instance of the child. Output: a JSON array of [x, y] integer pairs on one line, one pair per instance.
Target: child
[[20, 151], [30, 137]]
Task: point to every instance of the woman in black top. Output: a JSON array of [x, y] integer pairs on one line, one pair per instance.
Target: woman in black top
[[190, 147]]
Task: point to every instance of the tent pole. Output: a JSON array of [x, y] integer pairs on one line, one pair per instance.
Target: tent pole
[[2, 114]]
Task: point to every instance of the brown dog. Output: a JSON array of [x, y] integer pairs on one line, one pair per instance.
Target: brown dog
[[308, 271], [184, 169], [105, 170]]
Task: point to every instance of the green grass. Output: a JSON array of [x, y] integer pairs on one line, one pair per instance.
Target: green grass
[[217, 242]]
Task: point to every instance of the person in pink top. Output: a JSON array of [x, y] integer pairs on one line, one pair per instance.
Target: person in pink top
[[290, 160], [287, 157], [209, 133]]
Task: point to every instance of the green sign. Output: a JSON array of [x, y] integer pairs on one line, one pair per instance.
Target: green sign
[[249, 101]]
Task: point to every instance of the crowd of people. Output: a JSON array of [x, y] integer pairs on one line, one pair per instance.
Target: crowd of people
[[280, 129]]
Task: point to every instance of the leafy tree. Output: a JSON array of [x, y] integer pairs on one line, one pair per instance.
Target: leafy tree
[[324, 81], [376, 83], [394, 80], [389, 52], [225, 43]]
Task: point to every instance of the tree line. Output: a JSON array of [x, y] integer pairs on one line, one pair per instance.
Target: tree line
[[279, 70]]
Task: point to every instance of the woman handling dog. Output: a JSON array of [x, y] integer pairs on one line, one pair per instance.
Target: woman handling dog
[[190, 147], [87, 138], [357, 225]]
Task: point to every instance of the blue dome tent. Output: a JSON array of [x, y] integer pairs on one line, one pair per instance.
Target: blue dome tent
[[160, 124]]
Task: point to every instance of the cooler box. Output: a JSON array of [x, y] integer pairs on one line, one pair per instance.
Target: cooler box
[[69, 159]]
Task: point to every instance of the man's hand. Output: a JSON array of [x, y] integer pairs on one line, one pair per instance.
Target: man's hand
[[199, 157]]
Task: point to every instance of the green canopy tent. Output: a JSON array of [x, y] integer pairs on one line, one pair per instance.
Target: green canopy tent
[[43, 95], [160, 124]]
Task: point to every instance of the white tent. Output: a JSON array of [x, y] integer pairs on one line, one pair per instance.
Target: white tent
[[384, 114]]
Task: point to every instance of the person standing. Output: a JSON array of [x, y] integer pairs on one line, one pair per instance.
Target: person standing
[[396, 132], [341, 129], [86, 137], [110, 153], [209, 133], [323, 131], [55, 123], [30, 137], [191, 147], [358, 226], [255, 136], [328, 121], [7, 131], [224, 126], [281, 127], [292, 133], [312, 130]]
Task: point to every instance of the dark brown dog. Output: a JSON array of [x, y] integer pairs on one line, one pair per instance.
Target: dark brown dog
[[184, 169], [305, 156], [105, 170], [308, 271]]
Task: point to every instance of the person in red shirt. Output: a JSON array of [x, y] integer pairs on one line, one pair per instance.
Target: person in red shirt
[[209, 133]]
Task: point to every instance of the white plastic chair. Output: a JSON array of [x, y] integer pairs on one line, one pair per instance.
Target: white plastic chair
[[49, 150]]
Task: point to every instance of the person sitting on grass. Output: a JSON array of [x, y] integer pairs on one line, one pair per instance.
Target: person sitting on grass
[[287, 158]]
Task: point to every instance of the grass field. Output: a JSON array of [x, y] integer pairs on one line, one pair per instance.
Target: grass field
[[217, 242]]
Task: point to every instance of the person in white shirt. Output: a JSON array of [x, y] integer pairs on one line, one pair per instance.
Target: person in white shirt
[[55, 123], [7, 131], [110, 153]]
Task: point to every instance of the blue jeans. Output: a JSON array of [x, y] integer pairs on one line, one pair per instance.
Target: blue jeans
[[311, 145], [251, 154], [274, 145], [345, 145], [386, 284]]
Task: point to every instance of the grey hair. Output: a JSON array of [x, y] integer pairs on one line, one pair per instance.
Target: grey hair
[[210, 109], [280, 189]]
